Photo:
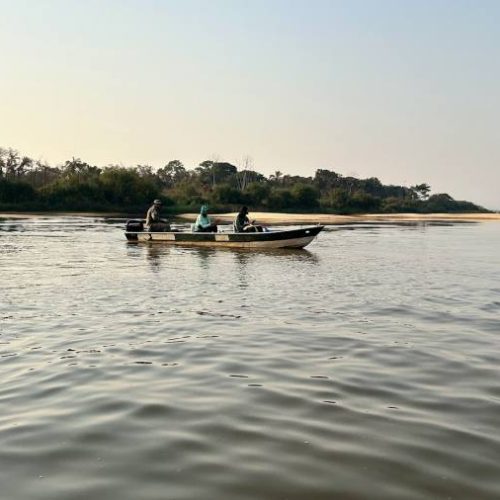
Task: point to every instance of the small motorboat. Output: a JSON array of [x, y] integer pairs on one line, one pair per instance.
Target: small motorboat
[[291, 238]]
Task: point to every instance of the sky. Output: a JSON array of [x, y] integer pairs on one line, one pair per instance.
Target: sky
[[406, 91]]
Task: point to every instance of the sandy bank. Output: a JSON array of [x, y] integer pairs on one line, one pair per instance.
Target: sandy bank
[[271, 218], [286, 218]]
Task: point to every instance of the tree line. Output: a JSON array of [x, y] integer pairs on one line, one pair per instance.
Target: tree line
[[26, 184]]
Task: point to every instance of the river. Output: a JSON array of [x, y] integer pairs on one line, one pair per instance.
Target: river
[[367, 366]]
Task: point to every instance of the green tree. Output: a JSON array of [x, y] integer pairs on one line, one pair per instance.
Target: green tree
[[326, 180], [276, 177], [256, 194], [246, 177], [172, 173], [226, 194], [79, 171], [13, 165], [361, 201], [14, 191], [305, 196], [187, 193], [337, 200], [126, 187], [280, 198], [421, 191], [212, 173]]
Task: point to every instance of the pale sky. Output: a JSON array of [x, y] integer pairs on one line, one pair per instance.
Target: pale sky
[[406, 91]]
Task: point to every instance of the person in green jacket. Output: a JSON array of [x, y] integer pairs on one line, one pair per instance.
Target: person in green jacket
[[204, 223]]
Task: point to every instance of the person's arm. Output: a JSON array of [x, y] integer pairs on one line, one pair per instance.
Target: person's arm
[[198, 223], [148, 217], [206, 223]]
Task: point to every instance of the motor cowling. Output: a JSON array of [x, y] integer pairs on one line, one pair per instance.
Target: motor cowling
[[134, 226]]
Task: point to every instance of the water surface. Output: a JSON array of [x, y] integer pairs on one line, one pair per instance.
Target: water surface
[[367, 366]]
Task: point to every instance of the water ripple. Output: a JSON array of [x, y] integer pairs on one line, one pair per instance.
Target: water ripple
[[367, 367]]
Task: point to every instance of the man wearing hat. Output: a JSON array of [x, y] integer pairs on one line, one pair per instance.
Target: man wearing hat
[[153, 220]]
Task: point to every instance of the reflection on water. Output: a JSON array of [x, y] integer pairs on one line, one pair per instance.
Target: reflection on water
[[366, 366], [161, 254], [155, 254], [11, 226]]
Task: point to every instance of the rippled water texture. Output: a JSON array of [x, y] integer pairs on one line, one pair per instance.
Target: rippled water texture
[[365, 367]]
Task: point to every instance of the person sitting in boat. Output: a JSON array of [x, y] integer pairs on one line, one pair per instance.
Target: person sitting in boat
[[204, 223], [154, 222], [242, 223]]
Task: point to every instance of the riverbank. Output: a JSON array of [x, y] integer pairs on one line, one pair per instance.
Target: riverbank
[[334, 219], [277, 218]]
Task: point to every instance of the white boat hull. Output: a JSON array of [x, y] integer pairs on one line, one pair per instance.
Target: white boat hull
[[294, 238]]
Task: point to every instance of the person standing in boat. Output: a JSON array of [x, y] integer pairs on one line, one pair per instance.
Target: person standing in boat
[[154, 222], [242, 223], [204, 223]]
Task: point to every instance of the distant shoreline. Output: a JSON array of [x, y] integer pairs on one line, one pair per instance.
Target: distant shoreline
[[276, 218], [334, 219]]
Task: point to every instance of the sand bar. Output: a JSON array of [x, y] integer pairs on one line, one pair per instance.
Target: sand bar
[[287, 218], [271, 218]]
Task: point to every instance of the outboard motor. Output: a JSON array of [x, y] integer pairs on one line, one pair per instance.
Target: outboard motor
[[134, 226]]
